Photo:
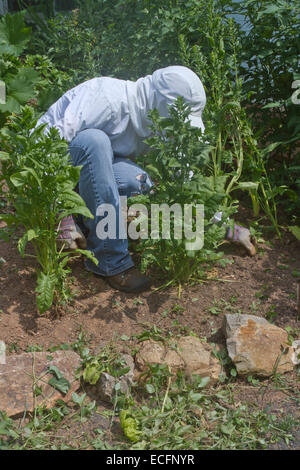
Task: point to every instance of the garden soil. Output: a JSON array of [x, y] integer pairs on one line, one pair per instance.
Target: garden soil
[[264, 285]]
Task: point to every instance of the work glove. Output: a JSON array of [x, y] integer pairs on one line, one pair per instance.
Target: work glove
[[242, 236], [69, 235]]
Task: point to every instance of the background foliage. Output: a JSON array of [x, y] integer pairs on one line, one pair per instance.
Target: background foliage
[[254, 66]]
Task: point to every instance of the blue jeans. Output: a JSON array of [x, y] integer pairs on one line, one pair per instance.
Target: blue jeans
[[103, 178]]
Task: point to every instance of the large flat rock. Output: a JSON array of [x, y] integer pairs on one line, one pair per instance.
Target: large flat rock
[[256, 346], [24, 372]]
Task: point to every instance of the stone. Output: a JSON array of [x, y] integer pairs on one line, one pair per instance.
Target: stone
[[105, 387], [22, 371], [150, 352], [153, 352], [188, 354], [198, 358], [174, 361], [2, 353], [256, 346]]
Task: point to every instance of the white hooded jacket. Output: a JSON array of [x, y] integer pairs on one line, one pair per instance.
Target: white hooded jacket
[[120, 108]]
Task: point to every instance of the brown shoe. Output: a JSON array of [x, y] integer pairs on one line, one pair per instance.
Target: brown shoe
[[131, 281]]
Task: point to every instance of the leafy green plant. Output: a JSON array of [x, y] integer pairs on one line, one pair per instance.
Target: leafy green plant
[[85, 409], [129, 426], [68, 42], [27, 78], [180, 165], [234, 149], [40, 188], [52, 82], [269, 63], [19, 78], [108, 360]]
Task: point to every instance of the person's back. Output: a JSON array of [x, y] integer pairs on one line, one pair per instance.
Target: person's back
[[120, 107]]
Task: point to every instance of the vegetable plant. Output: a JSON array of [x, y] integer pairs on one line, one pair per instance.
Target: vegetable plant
[[235, 151], [269, 63], [181, 166], [38, 182]]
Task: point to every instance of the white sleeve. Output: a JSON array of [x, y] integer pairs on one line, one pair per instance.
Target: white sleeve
[[89, 109]]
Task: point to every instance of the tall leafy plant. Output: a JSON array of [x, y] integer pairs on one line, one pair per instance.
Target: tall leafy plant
[[235, 152], [180, 164], [270, 65], [38, 181]]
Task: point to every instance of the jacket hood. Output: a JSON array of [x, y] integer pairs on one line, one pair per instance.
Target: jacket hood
[[159, 91]]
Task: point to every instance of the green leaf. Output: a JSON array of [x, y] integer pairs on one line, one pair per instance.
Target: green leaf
[[150, 389], [92, 372], [125, 338], [55, 371], [63, 385], [14, 36], [78, 399], [59, 382], [72, 197], [173, 163], [45, 290], [83, 210], [27, 237], [195, 397], [272, 105], [203, 381], [295, 231], [129, 426], [89, 255], [152, 169], [4, 156], [22, 85], [120, 372], [22, 177], [20, 89], [226, 429]]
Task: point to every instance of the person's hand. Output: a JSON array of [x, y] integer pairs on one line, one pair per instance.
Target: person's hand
[[242, 236]]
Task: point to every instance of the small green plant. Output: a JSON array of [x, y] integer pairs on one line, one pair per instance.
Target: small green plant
[[107, 360], [222, 305], [40, 181], [271, 314], [58, 381], [85, 409]]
